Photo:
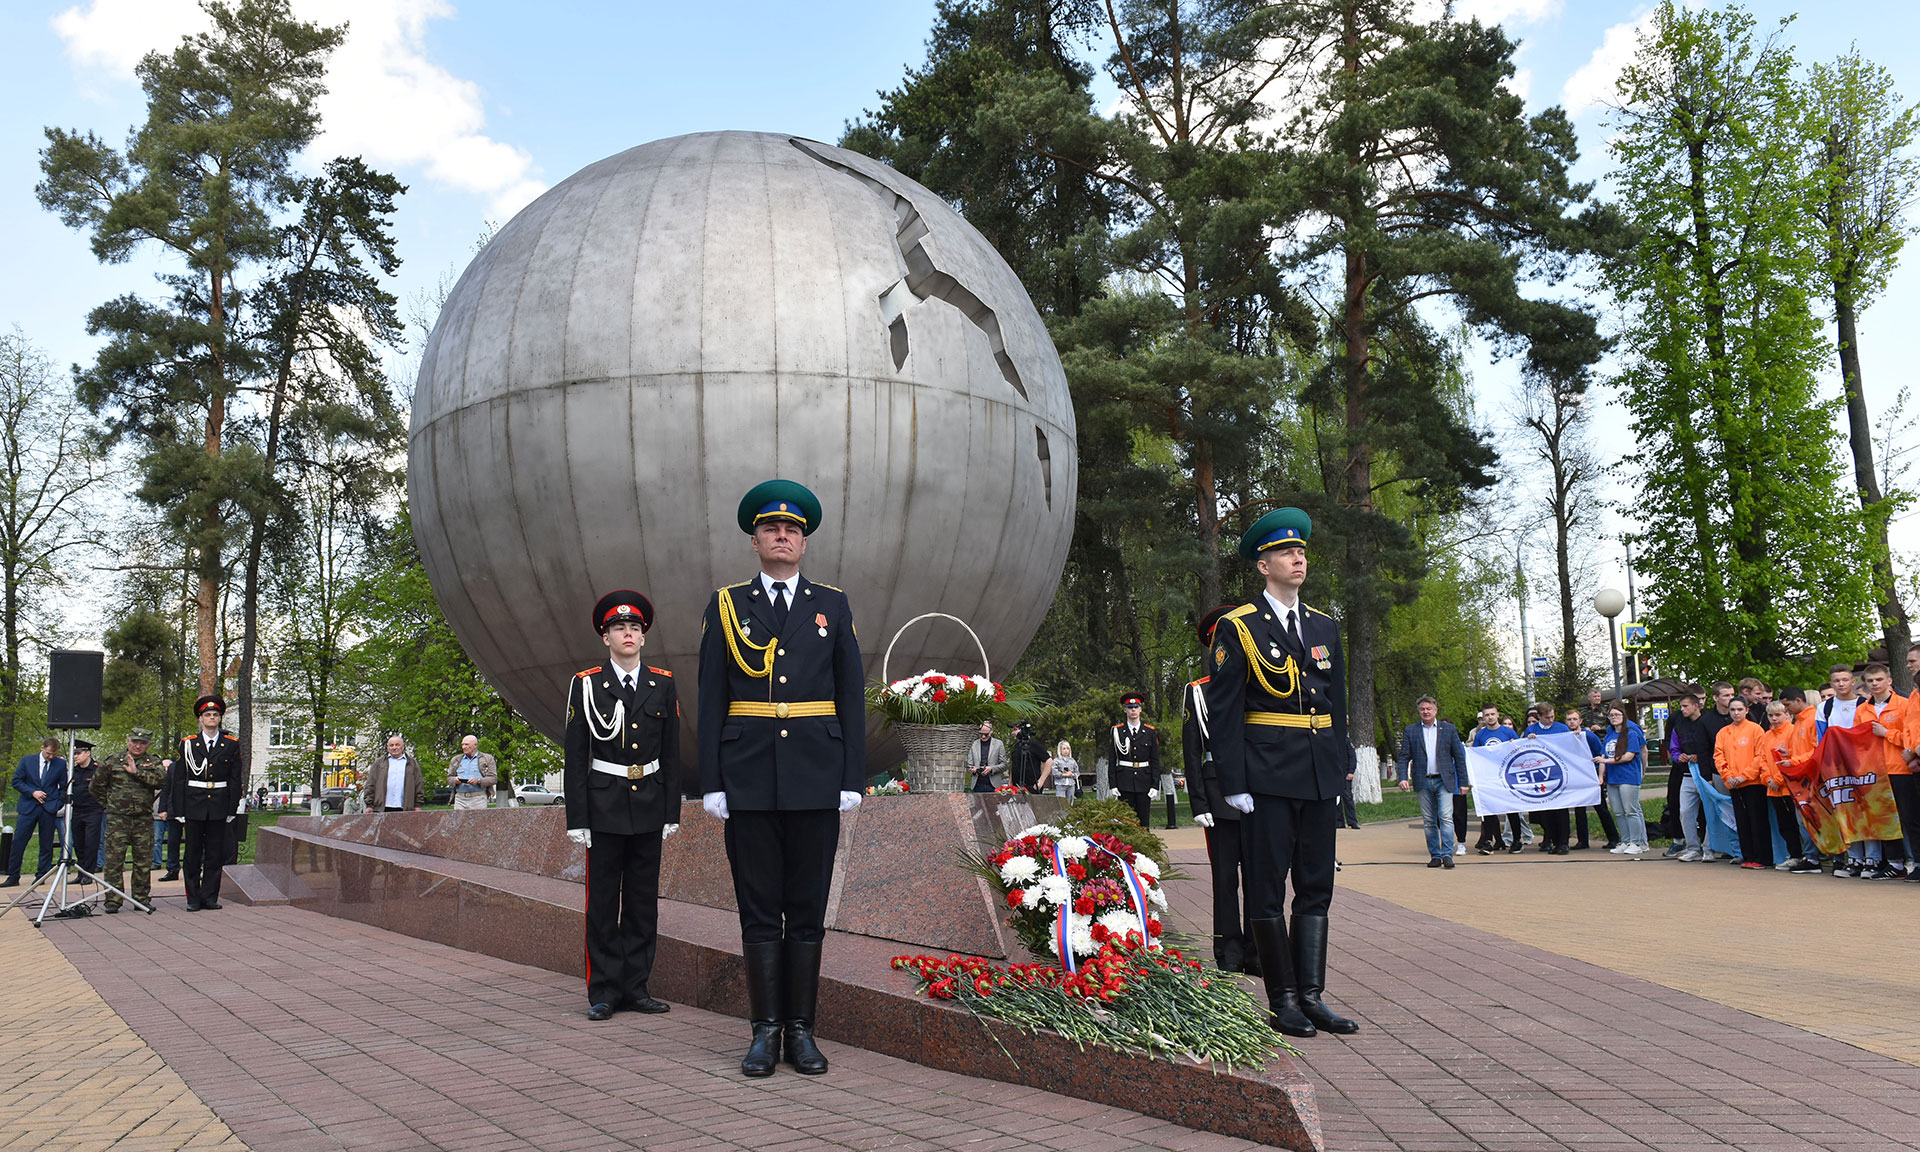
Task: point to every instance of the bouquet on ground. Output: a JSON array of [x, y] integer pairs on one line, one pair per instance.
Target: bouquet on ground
[[890, 788], [1126, 996], [1070, 894], [945, 698]]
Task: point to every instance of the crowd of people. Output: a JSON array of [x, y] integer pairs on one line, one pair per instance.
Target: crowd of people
[[1733, 753]]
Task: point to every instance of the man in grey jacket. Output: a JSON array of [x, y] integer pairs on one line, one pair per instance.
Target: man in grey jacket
[[472, 773], [393, 780], [985, 756], [1433, 760]]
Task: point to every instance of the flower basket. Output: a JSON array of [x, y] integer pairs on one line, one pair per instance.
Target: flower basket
[[936, 755], [937, 715]]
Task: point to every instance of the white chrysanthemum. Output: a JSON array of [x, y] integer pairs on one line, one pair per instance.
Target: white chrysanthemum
[[1019, 870], [1119, 921], [1055, 890], [1080, 936], [1046, 830], [1157, 898], [1032, 898], [1144, 865], [1073, 847]]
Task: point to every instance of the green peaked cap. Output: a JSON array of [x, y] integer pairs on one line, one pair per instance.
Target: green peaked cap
[[1278, 528], [779, 500]]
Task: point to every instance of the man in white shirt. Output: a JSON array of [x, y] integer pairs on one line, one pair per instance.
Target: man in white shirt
[[393, 781]]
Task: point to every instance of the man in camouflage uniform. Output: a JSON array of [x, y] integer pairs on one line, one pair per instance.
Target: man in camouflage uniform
[[125, 784]]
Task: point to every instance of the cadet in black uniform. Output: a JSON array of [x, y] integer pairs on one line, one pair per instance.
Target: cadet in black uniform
[[1133, 756], [206, 784], [783, 745], [623, 798], [1233, 950], [1277, 706]]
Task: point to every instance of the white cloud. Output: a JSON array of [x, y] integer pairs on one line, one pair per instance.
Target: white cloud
[[1592, 86], [386, 101], [1490, 12]]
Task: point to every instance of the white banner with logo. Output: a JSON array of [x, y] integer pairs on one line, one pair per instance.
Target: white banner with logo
[[1536, 775]]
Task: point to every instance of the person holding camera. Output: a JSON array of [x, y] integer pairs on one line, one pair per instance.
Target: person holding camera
[[985, 756]]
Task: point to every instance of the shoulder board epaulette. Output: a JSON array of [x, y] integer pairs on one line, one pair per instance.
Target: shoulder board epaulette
[[1315, 611], [731, 587], [231, 737], [828, 587], [1197, 683], [1117, 727], [1146, 725], [590, 671], [659, 671], [1240, 611]]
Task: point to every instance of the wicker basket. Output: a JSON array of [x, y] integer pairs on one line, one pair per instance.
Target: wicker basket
[[936, 753]]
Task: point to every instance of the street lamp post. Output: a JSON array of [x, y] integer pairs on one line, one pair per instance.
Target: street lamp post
[[1610, 603]]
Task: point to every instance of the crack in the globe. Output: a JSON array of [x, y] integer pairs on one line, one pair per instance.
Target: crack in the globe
[[923, 280]]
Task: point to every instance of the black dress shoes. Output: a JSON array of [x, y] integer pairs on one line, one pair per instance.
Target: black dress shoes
[[174, 875], [600, 1012], [209, 905], [649, 1005], [193, 905], [1434, 863], [1446, 862], [10, 882]]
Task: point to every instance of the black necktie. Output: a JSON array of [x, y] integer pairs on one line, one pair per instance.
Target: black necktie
[[1293, 630], [626, 684], [780, 604]]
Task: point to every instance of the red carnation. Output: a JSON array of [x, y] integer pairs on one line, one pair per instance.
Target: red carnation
[[999, 695], [1015, 896], [939, 696], [1076, 871], [983, 985], [1084, 905], [935, 679], [1001, 859], [1100, 933], [1153, 926]]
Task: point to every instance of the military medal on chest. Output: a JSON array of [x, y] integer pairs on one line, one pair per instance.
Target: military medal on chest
[[820, 621], [1321, 656]]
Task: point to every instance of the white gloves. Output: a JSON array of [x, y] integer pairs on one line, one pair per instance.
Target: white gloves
[[229, 819], [1204, 819], [1153, 793], [849, 801], [581, 836], [667, 830], [1241, 801], [716, 804], [179, 819]]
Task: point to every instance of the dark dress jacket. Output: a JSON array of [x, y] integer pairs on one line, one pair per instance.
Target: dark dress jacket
[[605, 724], [1133, 758], [1203, 776], [207, 786], [1255, 668], [749, 673]]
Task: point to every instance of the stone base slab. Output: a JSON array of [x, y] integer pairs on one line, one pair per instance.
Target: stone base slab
[[535, 919]]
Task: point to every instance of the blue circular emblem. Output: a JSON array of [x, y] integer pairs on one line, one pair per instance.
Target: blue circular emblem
[[1535, 774]]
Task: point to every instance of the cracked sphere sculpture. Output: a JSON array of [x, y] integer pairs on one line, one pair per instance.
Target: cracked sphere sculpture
[[676, 323]]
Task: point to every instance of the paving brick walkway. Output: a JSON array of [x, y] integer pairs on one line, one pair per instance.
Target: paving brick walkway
[[298, 1032], [307, 1033]]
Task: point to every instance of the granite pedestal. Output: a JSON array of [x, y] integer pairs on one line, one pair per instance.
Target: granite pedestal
[[507, 883]]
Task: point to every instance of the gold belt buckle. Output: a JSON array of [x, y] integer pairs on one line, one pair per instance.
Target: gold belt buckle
[[636, 771], [780, 709]]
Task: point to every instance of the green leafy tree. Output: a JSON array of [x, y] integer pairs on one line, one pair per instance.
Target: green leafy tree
[[1863, 136], [424, 685], [1750, 548], [47, 470], [203, 177]]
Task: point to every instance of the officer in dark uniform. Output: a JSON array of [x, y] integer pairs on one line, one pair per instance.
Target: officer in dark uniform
[[1133, 753], [89, 818], [1233, 950], [1277, 706], [623, 797], [783, 737], [207, 780]]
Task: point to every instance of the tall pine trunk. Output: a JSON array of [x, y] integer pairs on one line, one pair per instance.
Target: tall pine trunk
[[1895, 628]]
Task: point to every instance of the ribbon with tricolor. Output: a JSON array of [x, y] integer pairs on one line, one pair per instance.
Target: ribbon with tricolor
[[1136, 893]]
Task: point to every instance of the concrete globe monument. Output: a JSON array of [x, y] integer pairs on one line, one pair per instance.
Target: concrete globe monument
[[675, 323]]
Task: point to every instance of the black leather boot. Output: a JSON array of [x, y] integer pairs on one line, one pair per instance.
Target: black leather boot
[[1249, 957], [1310, 966], [803, 993], [763, 1006], [1276, 964]]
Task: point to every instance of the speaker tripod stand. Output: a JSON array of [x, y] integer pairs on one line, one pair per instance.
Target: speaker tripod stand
[[68, 863]]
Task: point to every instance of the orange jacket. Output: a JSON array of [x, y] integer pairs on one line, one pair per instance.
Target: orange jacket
[[1894, 718], [1775, 753], [1736, 754]]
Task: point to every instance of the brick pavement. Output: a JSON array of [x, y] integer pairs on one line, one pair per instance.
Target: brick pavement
[[1468, 1044], [73, 1074], [308, 1033]]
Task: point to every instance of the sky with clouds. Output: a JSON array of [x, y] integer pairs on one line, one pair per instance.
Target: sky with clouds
[[480, 105]]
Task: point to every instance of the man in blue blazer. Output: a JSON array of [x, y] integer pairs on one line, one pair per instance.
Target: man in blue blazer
[[1433, 760], [41, 781]]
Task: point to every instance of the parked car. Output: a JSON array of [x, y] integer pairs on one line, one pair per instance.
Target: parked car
[[537, 794], [334, 799], [441, 796]]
